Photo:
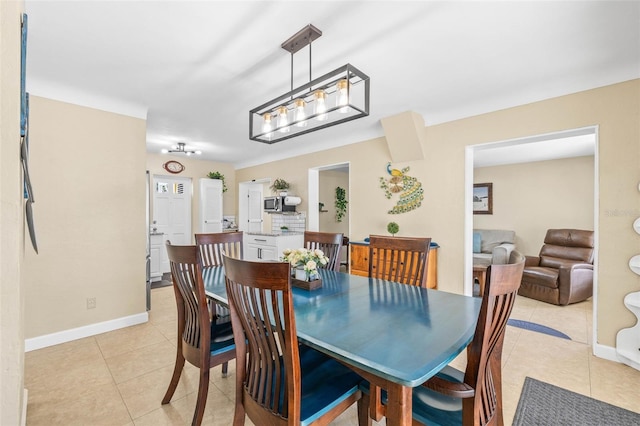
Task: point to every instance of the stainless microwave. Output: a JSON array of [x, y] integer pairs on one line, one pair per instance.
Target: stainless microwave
[[277, 205]]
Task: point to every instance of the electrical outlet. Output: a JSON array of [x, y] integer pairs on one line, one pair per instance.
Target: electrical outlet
[[91, 302]]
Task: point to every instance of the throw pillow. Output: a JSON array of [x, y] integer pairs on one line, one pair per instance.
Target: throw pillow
[[477, 242]]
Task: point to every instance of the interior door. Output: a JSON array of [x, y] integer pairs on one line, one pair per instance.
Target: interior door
[[210, 205], [254, 217], [250, 205], [172, 212]]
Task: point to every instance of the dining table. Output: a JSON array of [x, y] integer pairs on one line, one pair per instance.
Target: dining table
[[394, 335]]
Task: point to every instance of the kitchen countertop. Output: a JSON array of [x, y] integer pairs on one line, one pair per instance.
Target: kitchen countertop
[[273, 234]]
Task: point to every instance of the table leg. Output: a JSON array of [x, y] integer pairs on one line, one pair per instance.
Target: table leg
[[399, 405]]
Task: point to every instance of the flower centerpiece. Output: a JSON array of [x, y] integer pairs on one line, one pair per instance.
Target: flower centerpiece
[[305, 262]]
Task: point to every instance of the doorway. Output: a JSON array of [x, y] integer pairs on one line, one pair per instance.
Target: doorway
[[555, 146], [323, 182]]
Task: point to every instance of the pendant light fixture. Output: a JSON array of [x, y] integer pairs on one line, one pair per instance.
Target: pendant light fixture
[[336, 97]]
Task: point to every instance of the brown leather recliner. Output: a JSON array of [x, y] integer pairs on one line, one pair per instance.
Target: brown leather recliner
[[563, 272]]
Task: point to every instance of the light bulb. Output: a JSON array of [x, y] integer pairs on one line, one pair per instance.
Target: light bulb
[[198, 152], [164, 151], [283, 121], [342, 87], [266, 126], [301, 116], [320, 107]]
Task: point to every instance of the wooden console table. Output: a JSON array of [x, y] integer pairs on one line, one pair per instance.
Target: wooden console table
[[359, 260]]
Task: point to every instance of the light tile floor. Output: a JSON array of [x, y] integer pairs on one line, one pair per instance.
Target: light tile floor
[[119, 378]]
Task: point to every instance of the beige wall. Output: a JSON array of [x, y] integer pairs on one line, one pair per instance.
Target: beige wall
[[327, 183], [530, 198], [615, 109], [11, 219], [89, 183], [195, 170]]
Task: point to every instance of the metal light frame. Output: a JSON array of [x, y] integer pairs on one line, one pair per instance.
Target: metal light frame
[[357, 91]]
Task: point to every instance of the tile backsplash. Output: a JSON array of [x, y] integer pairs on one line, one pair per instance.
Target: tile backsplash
[[294, 222]]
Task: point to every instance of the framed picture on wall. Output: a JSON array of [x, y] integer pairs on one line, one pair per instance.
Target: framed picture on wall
[[482, 198]]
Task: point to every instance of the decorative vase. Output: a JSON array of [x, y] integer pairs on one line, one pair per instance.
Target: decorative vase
[[301, 274]]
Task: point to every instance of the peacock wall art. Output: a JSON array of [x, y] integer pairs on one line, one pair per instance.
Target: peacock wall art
[[410, 191]]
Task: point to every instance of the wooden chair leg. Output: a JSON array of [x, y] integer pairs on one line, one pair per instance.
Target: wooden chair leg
[[363, 411], [239, 415], [203, 390], [225, 369], [177, 371]]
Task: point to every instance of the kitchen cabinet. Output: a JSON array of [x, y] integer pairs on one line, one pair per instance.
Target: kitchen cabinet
[[258, 246], [210, 205], [155, 252], [359, 256]]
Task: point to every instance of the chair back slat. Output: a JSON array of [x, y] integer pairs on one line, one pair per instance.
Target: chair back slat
[[193, 314], [400, 259], [268, 365], [329, 243], [484, 354], [213, 245]]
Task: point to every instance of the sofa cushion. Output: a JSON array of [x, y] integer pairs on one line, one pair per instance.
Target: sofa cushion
[[494, 237], [477, 242], [545, 277]]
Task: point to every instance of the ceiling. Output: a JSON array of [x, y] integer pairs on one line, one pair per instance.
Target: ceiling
[[195, 69]]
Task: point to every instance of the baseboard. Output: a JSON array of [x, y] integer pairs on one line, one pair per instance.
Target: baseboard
[[606, 352], [82, 332]]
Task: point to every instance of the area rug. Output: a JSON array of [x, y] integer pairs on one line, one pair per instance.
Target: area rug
[[545, 404], [531, 326]]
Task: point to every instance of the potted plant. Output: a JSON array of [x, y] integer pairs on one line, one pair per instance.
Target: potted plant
[[341, 203], [280, 185], [393, 228], [218, 175]]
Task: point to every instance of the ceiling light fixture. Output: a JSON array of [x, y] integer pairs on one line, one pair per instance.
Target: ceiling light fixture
[[180, 149], [337, 97]]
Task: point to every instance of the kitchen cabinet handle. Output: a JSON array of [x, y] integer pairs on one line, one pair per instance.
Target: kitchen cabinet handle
[[258, 239]]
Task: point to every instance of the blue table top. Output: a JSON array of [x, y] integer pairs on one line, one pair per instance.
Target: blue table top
[[402, 333]]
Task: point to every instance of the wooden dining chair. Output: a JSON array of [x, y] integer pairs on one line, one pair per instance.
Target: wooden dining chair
[[400, 259], [213, 245], [203, 342], [472, 397], [278, 381], [329, 243]]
